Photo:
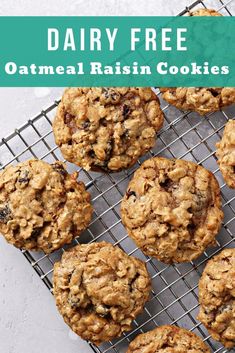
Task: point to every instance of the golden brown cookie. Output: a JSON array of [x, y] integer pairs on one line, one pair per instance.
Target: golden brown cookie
[[99, 290], [204, 12], [226, 154], [168, 339], [107, 129], [172, 209], [42, 207], [201, 100], [217, 297]]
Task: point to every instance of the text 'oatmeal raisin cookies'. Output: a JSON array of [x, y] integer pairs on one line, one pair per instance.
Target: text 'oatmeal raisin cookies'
[[172, 209], [202, 100], [107, 129], [217, 297], [168, 339], [99, 290], [226, 154], [42, 207]]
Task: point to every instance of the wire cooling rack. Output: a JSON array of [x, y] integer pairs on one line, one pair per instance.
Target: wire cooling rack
[[174, 297]]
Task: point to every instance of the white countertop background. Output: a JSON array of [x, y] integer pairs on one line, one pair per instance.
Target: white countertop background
[[29, 322]]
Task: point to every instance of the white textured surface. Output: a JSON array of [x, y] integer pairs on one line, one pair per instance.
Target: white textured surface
[[91, 7], [29, 322]]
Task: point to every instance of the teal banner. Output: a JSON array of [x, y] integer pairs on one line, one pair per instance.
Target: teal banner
[[117, 51]]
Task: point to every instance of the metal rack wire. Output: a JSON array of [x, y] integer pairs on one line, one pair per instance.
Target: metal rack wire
[[174, 298]]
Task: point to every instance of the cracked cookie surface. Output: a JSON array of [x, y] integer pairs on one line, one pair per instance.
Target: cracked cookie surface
[[168, 339], [202, 100], [42, 207], [217, 297], [107, 129], [99, 290], [172, 209], [226, 154]]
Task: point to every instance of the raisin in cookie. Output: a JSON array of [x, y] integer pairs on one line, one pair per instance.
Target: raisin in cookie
[[217, 297], [168, 339], [172, 209], [99, 290], [226, 154], [201, 100], [42, 207], [107, 129]]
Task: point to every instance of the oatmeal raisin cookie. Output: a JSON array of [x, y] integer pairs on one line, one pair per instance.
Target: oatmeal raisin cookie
[[217, 297], [201, 100], [226, 154], [99, 290], [172, 209], [168, 339], [107, 129], [42, 207]]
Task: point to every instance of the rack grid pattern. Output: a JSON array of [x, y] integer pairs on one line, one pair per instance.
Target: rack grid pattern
[[174, 297]]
